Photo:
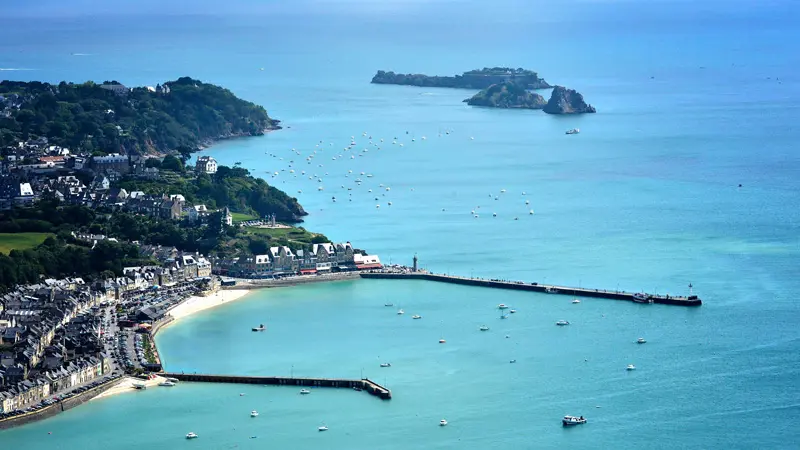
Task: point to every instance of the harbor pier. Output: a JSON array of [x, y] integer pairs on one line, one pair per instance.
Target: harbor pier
[[691, 300], [364, 384]]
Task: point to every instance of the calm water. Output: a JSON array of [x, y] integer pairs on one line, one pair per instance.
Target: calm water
[[645, 197]]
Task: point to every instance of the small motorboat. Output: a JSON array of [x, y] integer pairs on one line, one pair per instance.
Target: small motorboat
[[502, 306], [642, 298], [260, 328], [442, 423], [562, 323], [573, 131], [641, 341], [400, 312], [140, 386], [357, 389], [386, 364], [512, 311], [191, 435], [166, 383], [569, 421], [549, 290], [388, 304], [174, 380], [513, 361], [576, 301], [416, 316], [630, 367], [484, 328], [254, 413], [241, 394], [323, 428], [304, 391], [442, 341]]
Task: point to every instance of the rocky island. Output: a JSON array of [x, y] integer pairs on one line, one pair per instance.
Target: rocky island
[[507, 95], [474, 79], [567, 101]]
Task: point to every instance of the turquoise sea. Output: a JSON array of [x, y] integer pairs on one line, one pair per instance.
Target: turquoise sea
[[693, 99]]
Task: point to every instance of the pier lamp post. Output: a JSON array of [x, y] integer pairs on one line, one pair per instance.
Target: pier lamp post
[[291, 374]]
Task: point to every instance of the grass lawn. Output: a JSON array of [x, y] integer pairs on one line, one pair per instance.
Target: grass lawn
[[291, 234], [240, 217], [21, 241]]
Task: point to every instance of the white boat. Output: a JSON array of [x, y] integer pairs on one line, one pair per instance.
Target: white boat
[[140, 386], [641, 341], [442, 423], [254, 413], [504, 316], [573, 131], [388, 304], [166, 383], [191, 435], [304, 391], [386, 364], [259, 328], [400, 312], [642, 298], [502, 306], [323, 428], [513, 311], [484, 328], [561, 323], [549, 290], [576, 301], [513, 361], [442, 341], [630, 367], [174, 380], [416, 316], [569, 421]]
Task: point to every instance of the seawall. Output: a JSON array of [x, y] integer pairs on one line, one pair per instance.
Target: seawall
[[250, 283], [56, 408], [536, 287], [365, 384]]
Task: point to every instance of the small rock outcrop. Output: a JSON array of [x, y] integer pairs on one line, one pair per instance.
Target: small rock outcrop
[[567, 101], [507, 95]]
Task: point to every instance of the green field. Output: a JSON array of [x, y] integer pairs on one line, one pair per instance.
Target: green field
[[291, 234], [240, 217], [21, 241]]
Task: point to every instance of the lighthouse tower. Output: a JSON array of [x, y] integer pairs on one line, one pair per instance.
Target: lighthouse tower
[[414, 269]]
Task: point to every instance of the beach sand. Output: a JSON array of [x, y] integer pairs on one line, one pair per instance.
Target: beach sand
[[126, 385], [196, 304]]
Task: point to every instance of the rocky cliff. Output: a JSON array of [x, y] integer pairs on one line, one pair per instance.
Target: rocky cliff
[[567, 101], [507, 95], [474, 79]]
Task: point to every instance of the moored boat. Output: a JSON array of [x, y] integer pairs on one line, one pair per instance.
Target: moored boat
[[166, 383], [484, 328], [641, 341], [561, 323], [642, 298], [260, 328], [416, 316], [304, 391], [191, 435], [569, 421], [630, 367], [442, 423], [254, 413], [573, 131]]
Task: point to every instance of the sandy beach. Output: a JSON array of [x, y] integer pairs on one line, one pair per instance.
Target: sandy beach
[[196, 304], [126, 385]]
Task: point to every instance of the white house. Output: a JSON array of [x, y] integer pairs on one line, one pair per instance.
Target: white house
[[206, 164]]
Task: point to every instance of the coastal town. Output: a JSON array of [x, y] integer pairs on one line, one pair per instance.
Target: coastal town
[[61, 338], [67, 339]]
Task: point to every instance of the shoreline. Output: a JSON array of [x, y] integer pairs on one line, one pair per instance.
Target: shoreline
[[197, 303]]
